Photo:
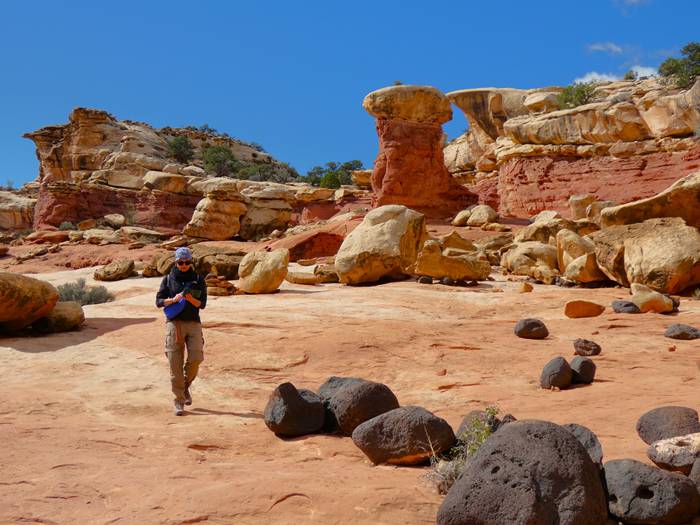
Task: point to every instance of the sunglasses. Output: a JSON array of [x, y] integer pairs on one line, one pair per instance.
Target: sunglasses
[[183, 263]]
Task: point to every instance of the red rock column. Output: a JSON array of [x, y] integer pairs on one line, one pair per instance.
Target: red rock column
[[410, 166]]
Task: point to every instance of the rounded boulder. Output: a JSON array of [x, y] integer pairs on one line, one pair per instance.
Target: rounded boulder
[[531, 329], [589, 441], [638, 493], [355, 403], [404, 436], [683, 332], [625, 307], [583, 370], [586, 347], [557, 373], [292, 412], [64, 317], [528, 473], [23, 300], [667, 422]]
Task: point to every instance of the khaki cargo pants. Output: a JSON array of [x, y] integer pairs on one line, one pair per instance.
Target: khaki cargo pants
[[179, 334]]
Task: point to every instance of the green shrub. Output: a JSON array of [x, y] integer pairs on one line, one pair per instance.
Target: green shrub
[[577, 94], [330, 180], [630, 75], [334, 173], [280, 172], [446, 470], [220, 160], [65, 226], [181, 148], [79, 292], [683, 71]]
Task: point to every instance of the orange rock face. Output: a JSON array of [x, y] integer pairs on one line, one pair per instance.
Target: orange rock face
[[61, 202], [410, 170], [529, 185]]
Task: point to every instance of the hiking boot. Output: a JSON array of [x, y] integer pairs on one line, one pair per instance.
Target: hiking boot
[[179, 410], [188, 396]]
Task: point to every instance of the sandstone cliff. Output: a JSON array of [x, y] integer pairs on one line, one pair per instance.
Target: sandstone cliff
[[522, 154], [96, 165]]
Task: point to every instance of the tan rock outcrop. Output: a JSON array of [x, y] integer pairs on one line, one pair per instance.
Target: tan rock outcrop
[[522, 154], [384, 245], [362, 179], [533, 259], [16, 211], [482, 214], [663, 254], [679, 200], [571, 246], [584, 269], [217, 216], [263, 272], [579, 203], [115, 271], [23, 300], [96, 165], [464, 267]]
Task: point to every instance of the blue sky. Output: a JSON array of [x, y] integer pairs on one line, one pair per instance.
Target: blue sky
[[291, 75]]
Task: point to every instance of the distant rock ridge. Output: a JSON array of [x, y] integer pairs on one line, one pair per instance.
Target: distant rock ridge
[[96, 165], [522, 154]]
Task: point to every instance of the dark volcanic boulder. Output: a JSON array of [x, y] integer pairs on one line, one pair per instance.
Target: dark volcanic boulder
[[625, 307], [335, 383], [694, 475], [677, 453], [292, 412], [667, 422], [583, 369], [556, 373], [355, 403], [531, 329], [404, 436], [586, 347], [683, 332], [638, 493], [528, 473], [326, 391], [589, 440]]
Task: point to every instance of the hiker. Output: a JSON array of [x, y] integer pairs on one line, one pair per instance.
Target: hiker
[[183, 293]]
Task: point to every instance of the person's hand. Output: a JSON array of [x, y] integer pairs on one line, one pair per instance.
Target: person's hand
[[177, 298]]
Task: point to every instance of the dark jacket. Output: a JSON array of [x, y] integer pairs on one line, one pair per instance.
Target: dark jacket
[[174, 283]]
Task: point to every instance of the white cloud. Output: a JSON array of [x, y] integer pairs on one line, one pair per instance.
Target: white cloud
[[605, 47], [645, 71], [594, 76], [634, 2]]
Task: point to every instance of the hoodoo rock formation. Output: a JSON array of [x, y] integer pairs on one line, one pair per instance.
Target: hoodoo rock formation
[[410, 167], [522, 154]]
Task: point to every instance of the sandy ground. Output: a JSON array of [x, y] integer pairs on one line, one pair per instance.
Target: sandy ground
[[88, 436]]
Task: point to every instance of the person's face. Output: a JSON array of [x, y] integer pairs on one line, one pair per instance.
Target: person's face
[[184, 264]]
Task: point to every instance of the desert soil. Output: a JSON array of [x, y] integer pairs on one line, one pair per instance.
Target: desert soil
[[88, 436]]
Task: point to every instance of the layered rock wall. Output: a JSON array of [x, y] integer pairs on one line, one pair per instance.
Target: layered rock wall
[[96, 165], [522, 154]]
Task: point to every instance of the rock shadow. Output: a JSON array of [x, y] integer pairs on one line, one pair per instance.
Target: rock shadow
[[91, 329], [209, 412]]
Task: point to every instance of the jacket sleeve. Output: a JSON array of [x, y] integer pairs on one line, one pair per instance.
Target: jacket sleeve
[[203, 298], [163, 293]]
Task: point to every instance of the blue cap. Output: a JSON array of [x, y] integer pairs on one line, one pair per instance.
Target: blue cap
[[183, 253]]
